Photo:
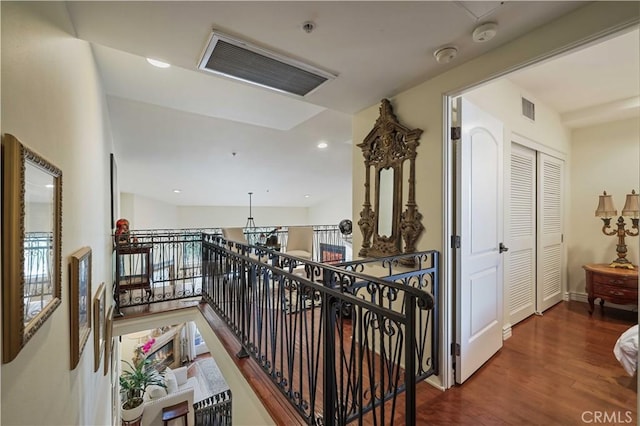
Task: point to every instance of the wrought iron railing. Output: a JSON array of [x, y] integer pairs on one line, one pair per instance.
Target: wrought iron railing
[[214, 410], [175, 267], [327, 239], [339, 344], [37, 270], [176, 271]]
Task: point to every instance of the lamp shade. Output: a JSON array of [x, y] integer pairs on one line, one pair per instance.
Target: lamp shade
[[605, 206], [632, 206]]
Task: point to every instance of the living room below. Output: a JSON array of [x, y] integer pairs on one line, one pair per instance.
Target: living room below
[[188, 374]]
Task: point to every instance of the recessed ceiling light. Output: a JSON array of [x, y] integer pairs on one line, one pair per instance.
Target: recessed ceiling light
[[49, 185], [323, 145], [157, 63], [307, 195], [177, 191]]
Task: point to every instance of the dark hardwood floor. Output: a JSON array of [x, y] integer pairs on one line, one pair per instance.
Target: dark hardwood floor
[[558, 369], [552, 370]]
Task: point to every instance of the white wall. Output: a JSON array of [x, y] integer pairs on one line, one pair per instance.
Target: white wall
[[147, 213], [331, 212], [605, 157], [502, 99], [53, 102], [211, 216]]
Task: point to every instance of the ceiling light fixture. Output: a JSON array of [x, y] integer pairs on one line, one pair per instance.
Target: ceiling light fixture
[[307, 195], [485, 32], [323, 145], [177, 191], [157, 63], [446, 54]]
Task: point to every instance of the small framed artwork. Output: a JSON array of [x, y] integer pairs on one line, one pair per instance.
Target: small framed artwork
[[108, 333], [99, 326], [80, 302]]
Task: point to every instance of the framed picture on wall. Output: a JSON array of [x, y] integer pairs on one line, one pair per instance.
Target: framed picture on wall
[[80, 302], [108, 344], [99, 326]]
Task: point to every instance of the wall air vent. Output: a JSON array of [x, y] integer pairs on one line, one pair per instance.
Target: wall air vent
[[243, 61], [528, 109]]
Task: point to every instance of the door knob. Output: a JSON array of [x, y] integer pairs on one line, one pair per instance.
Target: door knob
[[502, 248]]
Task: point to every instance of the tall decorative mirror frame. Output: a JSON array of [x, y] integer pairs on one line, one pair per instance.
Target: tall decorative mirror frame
[[386, 149], [31, 261]]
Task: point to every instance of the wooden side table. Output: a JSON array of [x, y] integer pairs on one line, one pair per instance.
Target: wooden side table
[[615, 285], [176, 411]]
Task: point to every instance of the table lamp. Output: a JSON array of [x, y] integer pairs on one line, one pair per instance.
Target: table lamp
[[606, 211]]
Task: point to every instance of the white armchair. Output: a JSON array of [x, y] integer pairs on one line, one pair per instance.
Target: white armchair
[[300, 242], [234, 234]]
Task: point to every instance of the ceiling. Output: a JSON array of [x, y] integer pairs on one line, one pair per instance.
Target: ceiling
[[216, 139]]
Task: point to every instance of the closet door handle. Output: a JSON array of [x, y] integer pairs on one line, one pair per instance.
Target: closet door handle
[[502, 248]]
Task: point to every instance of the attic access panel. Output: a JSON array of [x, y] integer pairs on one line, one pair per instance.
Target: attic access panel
[[243, 61]]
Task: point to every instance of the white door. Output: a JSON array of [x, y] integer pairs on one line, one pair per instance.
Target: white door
[[520, 261], [550, 238], [479, 209]]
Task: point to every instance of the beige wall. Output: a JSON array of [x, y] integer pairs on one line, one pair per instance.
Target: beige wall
[[147, 213], [605, 157], [422, 106], [53, 102]]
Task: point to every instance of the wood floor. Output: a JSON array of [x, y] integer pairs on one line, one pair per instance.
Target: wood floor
[[558, 369], [552, 370]]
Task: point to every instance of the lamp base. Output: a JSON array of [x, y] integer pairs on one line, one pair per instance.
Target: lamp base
[[622, 263]]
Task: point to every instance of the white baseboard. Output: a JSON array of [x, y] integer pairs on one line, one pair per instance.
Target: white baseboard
[[506, 331], [583, 297]]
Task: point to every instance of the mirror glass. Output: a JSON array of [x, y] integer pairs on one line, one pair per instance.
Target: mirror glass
[[39, 267], [385, 202], [389, 151], [31, 243]]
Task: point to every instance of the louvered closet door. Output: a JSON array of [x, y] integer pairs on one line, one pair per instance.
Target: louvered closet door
[[550, 240], [520, 263]]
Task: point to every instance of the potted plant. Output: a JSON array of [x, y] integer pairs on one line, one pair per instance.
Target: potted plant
[[134, 381]]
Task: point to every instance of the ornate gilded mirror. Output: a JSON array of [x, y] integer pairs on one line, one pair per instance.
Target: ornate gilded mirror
[[389, 152], [31, 243]]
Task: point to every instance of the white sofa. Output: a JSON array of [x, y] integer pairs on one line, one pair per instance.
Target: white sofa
[[179, 389]]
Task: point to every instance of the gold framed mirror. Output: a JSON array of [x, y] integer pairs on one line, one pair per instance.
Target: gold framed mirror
[[31, 243], [389, 152]]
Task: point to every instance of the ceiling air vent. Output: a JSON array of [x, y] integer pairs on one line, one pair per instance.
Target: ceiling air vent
[[528, 109], [243, 61]]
